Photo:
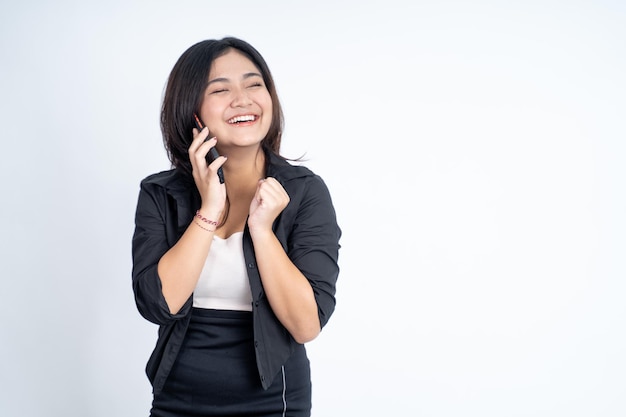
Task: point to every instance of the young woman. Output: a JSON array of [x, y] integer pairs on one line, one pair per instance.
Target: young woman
[[235, 257]]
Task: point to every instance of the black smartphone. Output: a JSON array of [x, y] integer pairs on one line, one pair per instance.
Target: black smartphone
[[213, 154]]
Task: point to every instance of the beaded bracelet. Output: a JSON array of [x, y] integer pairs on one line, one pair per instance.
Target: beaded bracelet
[[202, 227], [204, 219]]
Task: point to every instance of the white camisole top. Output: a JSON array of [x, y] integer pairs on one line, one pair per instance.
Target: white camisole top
[[223, 283]]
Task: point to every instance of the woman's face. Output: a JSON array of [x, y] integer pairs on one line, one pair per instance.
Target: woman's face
[[236, 107]]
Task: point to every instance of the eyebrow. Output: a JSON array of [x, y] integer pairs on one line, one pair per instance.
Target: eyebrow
[[226, 80]]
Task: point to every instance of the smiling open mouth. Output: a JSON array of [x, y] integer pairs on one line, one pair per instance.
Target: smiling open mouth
[[242, 119]]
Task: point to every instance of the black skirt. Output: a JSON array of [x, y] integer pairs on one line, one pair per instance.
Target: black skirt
[[215, 373]]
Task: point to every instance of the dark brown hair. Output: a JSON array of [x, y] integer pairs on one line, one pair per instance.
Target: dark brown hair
[[185, 90]]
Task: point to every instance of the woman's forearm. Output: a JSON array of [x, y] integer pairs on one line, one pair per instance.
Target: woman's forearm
[[288, 291], [179, 269]]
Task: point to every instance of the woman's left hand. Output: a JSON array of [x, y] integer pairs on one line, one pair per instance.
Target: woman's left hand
[[269, 201]]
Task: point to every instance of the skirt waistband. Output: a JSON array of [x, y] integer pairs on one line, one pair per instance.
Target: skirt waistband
[[221, 314]]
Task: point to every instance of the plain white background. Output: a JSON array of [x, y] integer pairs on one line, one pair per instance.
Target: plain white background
[[475, 153]]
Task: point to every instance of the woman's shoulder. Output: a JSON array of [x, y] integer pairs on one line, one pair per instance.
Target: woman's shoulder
[[170, 181], [163, 178], [298, 180], [282, 168]]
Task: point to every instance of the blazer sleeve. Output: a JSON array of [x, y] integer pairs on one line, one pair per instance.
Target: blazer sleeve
[[313, 244], [152, 238]]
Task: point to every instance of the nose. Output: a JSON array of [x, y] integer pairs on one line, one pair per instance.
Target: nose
[[241, 98]]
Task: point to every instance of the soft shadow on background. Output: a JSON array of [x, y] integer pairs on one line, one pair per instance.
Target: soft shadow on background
[[475, 152]]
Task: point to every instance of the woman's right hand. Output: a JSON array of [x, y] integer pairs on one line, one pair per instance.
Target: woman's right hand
[[212, 192]]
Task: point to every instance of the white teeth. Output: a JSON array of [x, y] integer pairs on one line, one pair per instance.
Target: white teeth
[[246, 118]]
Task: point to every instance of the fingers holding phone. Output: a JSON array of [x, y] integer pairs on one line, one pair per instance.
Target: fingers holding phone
[[207, 176], [199, 150], [212, 153]]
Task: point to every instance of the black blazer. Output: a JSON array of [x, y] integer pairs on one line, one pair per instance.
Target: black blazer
[[307, 229]]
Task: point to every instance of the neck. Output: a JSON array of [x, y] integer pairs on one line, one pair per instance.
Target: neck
[[243, 168]]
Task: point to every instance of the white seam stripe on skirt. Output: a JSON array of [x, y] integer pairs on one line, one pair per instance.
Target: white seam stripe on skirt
[[284, 389]]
